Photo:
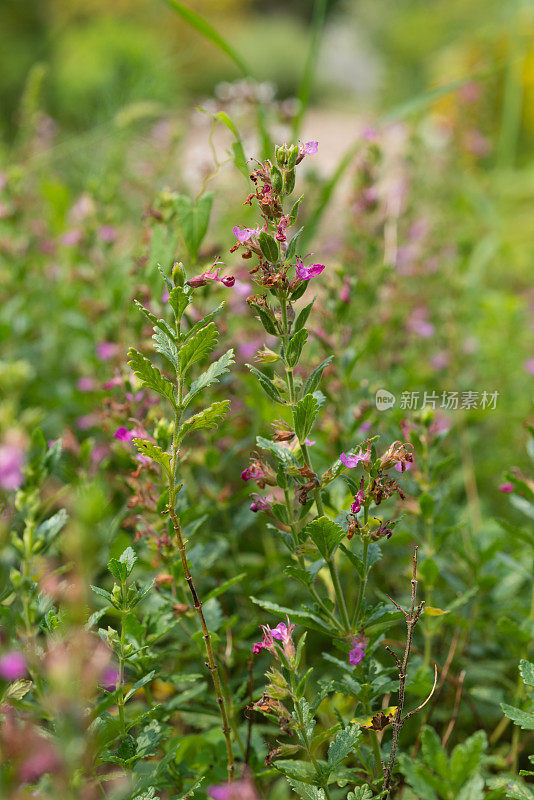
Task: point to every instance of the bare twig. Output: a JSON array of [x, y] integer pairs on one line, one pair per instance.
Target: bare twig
[[411, 617], [454, 717]]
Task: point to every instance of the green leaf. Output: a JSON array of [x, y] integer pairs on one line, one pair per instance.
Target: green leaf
[[269, 247], [157, 323], [240, 159], [343, 745], [361, 793], [117, 569], [526, 668], [178, 301], [516, 791], [266, 321], [198, 347], [102, 593], [298, 770], [267, 385], [139, 684], [211, 375], [150, 376], [433, 753], [305, 412], [525, 719], [306, 790], [17, 690], [315, 378], [224, 586], [49, 529], [193, 220], [204, 28], [283, 454], [292, 246], [155, 453], [302, 316], [208, 418], [416, 775], [203, 322], [467, 757], [325, 533], [166, 346], [294, 347], [473, 789], [128, 558]]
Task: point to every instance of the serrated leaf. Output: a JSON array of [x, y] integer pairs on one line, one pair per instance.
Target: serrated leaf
[[343, 745], [215, 370], [301, 617], [325, 534], [315, 378], [526, 668], [154, 452], [117, 569], [157, 323], [294, 348], [102, 593], [48, 530], [150, 376], [361, 793], [305, 413], [306, 790], [201, 323], [128, 558], [198, 347], [178, 301], [283, 454], [166, 346], [208, 418], [193, 220], [298, 770], [472, 790], [525, 719], [17, 690], [267, 385], [516, 791]]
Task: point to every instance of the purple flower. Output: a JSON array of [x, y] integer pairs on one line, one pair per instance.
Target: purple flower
[[205, 277], [12, 666], [357, 654], [357, 501], [243, 234], [37, 764], [310, 442], [344, 294], [352, 460], [309, 148], [305, 273], [260, 503], [11, 463], [107, 233], [529, 366], [507, 488], [283, 633], [165, 296], [124, 435], [72, 238], [418, 323], [403, 466], [110, 679], [106, 350], [87, 421], [237, 790]]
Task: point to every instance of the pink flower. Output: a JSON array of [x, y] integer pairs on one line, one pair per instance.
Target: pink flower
[[507, 488], [39, 763], [11, 463], [352, 460], [344, 294], [237, 790], [106, 350], [86, 384], [124, 435], [165, 296], [357, 500], [403, 466], [418, 323], [356, 655], [309, 148], [205, 277], [72, 238], [87, 421], [12, 666], [440, 360], [260, 503], [252, 473], [117, 380], [305, 273], [107, 233], [283, 633], [310, 442], [243, 234], [529, 366], [110, 679]]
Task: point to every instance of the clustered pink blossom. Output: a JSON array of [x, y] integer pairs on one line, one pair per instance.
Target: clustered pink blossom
[[12, 666], [282, 632], [357, 500], [260, 503], [357, 654], [352, 460], [106, 350], [124, 435], [507, 488], [11, 463], [309, 148], [243, 234]]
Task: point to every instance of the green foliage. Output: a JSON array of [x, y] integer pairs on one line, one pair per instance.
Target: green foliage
[[193, 219], [150, 376], [325, 534]]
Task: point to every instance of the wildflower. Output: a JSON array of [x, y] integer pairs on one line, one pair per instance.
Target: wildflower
[[106, 350], [110, 679], [124, 435], [310, 442], [40, 763], [72, 238], [243, 234], [305, 273], [358, 499], [12, 666], [344, 294], [107, 234], [86, 384], [357, 654], [309, 149], [507, 488], [397, 453], [237, 790], [418, 323], [404, 467], [87, 421], [204, 278], [283, 633], [529, 366], [259, 471], [352, 460], [11, 463], [260, 503]]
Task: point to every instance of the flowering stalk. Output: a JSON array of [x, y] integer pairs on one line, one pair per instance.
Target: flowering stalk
[[182, 349]]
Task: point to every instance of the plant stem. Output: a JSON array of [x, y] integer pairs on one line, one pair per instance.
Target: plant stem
[[363, 584], [306, 740]]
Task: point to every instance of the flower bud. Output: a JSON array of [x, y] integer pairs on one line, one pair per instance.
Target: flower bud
[[276, 179], [178, 276]]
